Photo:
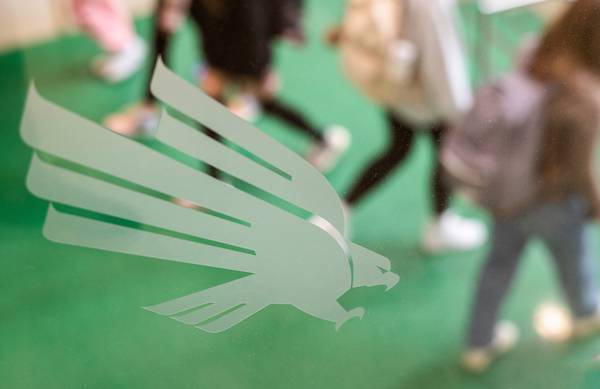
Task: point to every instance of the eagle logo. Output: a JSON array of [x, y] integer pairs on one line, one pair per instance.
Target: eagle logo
[[116, 194]]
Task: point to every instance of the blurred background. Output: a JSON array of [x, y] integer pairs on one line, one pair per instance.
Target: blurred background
[[70, 317]]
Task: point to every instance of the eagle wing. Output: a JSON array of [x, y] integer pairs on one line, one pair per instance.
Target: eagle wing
[[119, 193], [280, 172], [83, 165]]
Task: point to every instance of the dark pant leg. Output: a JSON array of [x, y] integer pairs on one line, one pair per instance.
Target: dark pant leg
[[160, 46], [400, 143], [439, 187], [494, 280], [162, 39], [290, 115], [211, 170], [565, 233]]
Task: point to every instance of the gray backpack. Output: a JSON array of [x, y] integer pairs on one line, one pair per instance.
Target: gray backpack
[[492, 154]]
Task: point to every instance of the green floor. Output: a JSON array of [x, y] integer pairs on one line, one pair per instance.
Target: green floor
[[70, 317]]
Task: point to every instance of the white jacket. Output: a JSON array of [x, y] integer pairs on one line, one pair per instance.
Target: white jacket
[[431, 26]]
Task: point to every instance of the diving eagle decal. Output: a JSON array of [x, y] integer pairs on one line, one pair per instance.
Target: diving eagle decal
[[288, 258]]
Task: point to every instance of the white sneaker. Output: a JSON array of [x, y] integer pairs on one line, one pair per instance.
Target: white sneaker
[[324, 156], [245, 106], [453, 232], [585, 327], [122, 65], [478, 360], [140, 120]]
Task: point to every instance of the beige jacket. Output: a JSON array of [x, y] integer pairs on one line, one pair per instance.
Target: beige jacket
[[407, 56]]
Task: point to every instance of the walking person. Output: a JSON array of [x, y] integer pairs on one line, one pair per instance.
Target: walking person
[[407, 56], [527, 153], [237, 41]]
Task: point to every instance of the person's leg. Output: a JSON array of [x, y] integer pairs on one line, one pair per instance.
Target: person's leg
[[328, 145], [141, 119], [575, 262], [212, 84], [448, 230], [110, 24], [169, 17], [400, 143], [568, 238], [288, 114], [494, 280], [439, 187]]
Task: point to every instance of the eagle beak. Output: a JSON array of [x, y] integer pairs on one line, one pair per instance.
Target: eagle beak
[[390, 280]]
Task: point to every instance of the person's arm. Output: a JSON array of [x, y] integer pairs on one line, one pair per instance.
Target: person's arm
[[444, 69], [570, 155]]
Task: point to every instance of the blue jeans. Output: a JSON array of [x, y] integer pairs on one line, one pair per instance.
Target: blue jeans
[[562, 227]]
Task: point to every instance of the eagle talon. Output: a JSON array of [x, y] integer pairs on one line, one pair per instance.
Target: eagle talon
[[356, 312]]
